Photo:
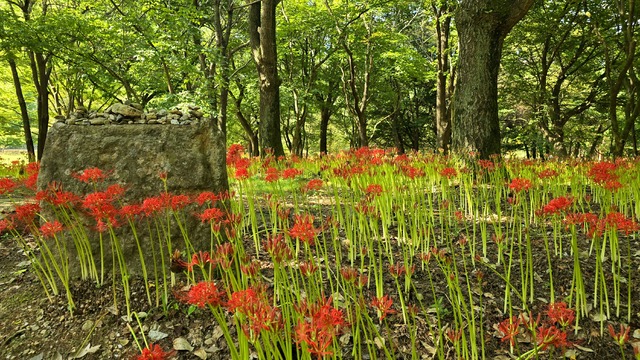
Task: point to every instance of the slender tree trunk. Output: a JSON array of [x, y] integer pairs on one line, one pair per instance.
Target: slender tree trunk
[[443, 115], [262, 34], [482, 26], [41, 73], [26, 124], [325, 114]]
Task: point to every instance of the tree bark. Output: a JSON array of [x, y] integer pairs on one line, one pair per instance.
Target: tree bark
[[26, 124], [482, 26], [443, 115], [262, 35]]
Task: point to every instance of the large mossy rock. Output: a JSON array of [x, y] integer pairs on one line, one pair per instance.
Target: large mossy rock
[[193, 158]]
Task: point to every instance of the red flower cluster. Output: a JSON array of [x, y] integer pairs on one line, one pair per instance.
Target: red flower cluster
[[313, 184], [487, 165], [547, 174], [291, 173], [271, 175], [50, 229], [557, 205], [7, 185], [603, 173], [234, 154], [90, 176], [621, 337], [154, 352], [255, 307], [448, 172], [596, 226], [519, 184], [412, 172], [510, 328], [383, 306], [203, 294], [552, 336], [303, 229], [318, 329], [373, 190], [560, 314], [278, 248]]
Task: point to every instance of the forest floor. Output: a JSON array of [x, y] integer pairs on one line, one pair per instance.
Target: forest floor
[[34, 327]]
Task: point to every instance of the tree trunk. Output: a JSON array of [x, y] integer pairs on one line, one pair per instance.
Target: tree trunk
[[41, 72], [325, 114], [26, 124], [443, 115], [262, 34], [482, 26]]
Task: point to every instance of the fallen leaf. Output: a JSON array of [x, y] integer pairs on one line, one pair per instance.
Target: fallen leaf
[[86, 350], [156, 335], [182, 344], [598, 317], [201, 354], [582, 348], [38, 357], [379, 342]]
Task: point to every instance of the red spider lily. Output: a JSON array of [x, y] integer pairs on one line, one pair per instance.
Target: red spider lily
[[602, 172], [529, 321], [454, 335], [557, 205], [251, 269], [303, 229], [399, 269], [291, 173], [636, 350], [6, 225], [207, 197], [278, 248], [283, 214], [234, 153], [27, 213], [203, 294], [519, 184], [59, 198], [547, 174], [318, 329], [383, 306], [612, 185], [510, 328], [313, 184], [621, 337], [560, 314], [242, 173], [211, 215], [224, 255], [7, 185], [101, 204], [32, 170], [256, 309], [618, 221], [448, 172], [552, 336], [178, 202], [154, 352], [373, 190], [200, 258], [349, 274], [130, 211], [90, 176], [50, 229], [271, 175], [412, 172], [152, 205], [308, 268], [487, 165]]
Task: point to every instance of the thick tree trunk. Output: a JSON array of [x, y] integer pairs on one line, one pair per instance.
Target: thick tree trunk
[[482, 26], [26, 124], [262, 34]]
